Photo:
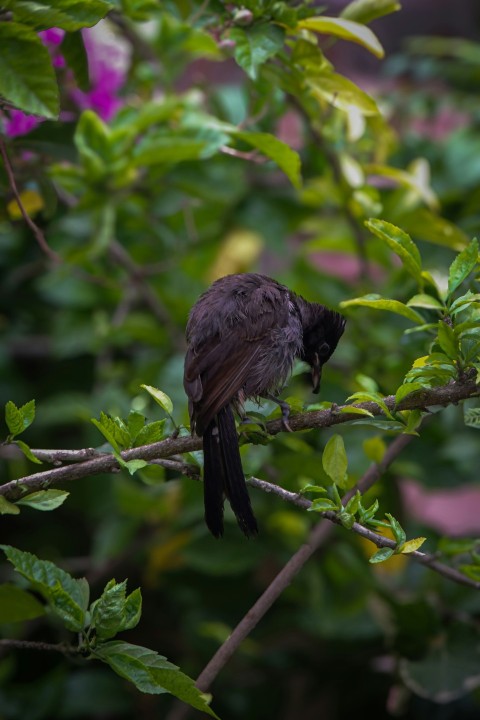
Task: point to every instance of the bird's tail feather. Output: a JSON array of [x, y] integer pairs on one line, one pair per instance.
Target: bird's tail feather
[[223, 476]]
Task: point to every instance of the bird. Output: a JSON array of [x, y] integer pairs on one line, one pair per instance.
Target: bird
[[243, 335]]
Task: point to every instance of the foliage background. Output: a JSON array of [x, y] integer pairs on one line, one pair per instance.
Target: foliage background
[[145, 207]]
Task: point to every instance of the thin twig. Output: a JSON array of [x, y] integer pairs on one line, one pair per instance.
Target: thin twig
[[39, 236], [33, 645]]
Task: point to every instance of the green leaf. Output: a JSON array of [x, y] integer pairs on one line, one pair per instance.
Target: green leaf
[[108, 612], [153, 432], [255, 45], [135, 423], [425, 301], [335, 461], [73, 50], [33, 92], [447, 340], [287, 159], [8, 508], [411, 545], [66, 14], [345, 30], [160, 397], [27, 452], [151, 673], [341, 93], [353, 504], [133, 465], [67, 597], [381, 555], [322, 505], [113, 430], [313, 488], [17, 605], [132, 610], [351, 409], [364, 11], [19, 419], [471, 571], [462, 266], [364, 396], [378, 303], [397, 529], [401, 244], [45, 499], [407, 389]]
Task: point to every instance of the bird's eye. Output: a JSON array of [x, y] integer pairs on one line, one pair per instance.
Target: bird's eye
[[324, 350]]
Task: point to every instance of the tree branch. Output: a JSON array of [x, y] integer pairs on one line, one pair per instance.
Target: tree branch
[[33, 645], [422, 400], [39, 236]]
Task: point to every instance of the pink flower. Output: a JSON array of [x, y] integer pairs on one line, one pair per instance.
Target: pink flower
[[53, 36], [107, 63], [19, 124]]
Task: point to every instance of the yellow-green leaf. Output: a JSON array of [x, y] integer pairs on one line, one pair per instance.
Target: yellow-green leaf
[[411, 545], [345, 30]]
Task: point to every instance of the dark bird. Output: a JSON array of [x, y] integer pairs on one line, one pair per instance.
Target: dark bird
[[243, 335]]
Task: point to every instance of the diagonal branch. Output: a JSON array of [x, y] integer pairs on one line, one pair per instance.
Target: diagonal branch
[[39, 236]]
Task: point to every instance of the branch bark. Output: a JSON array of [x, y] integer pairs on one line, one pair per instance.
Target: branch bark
[[104, 463]]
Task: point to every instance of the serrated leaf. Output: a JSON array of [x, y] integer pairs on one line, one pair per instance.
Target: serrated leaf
[[132, 610], [411, 545], [113, 430], [381, 555], [335, 461], [345, 30], [364, 11], [287, 159], [376, 302], [160, 397], [462, 266], [19, 419], [33, 92], [44, 499], [254, 46], [135, 423], [8, 508], [401, 244], [151, 673], [67, 597], [153, 432], [66, 14], [108, 612]]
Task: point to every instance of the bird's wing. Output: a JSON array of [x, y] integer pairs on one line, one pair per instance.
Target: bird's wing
[[218, 369]]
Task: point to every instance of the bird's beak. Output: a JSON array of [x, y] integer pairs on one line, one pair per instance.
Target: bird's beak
[[316, 373]]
